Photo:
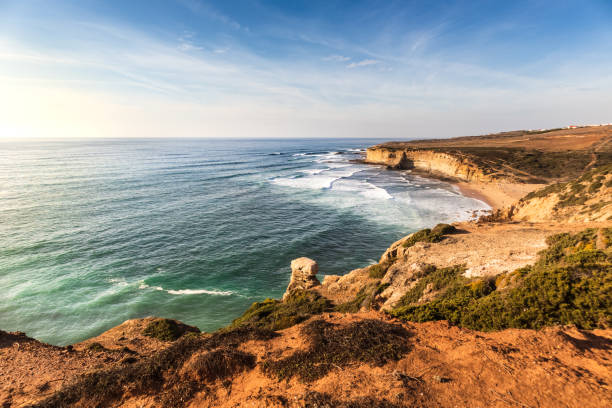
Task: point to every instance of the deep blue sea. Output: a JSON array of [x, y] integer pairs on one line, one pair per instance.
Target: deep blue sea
[[94, 232]]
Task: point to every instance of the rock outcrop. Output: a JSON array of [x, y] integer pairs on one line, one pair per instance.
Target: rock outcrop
[[303, 275]]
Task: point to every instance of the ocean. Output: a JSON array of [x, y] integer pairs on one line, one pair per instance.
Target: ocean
[[95, 232]]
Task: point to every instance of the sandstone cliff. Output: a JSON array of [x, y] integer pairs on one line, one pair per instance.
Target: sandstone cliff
[[445, 164]]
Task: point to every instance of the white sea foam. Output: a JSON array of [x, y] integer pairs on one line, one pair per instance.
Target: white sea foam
[[312, 171], [313, 183], [187, 291], [319, 179], [364, 188], [199, 292]]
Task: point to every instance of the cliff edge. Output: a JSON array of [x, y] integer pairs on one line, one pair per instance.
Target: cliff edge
[[512, 310]]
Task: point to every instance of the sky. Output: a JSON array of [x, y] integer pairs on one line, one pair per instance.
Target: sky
[[276, 69]]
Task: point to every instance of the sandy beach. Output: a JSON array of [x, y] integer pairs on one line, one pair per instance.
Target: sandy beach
[[497, 195]]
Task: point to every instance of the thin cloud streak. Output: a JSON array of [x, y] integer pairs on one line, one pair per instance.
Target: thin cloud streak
[[363, 63]]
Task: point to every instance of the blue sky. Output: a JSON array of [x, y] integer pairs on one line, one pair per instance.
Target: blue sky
[[391, 69]]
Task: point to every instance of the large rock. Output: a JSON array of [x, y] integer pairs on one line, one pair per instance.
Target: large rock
[[303, 275]]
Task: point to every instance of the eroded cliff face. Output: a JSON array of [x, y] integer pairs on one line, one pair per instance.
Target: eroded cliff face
[[444, 164]]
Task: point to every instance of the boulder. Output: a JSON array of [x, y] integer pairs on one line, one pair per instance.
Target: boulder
[[303, 275]]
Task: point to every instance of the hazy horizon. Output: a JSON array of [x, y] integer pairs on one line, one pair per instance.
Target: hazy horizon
[[268, 69]]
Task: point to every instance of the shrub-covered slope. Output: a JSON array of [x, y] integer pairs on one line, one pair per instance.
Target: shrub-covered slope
[[570, 284], [587, 198]]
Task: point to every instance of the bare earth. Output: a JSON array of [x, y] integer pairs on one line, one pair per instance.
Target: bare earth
[[444, 367]]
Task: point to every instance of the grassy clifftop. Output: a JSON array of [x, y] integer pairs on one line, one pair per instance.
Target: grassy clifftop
[[521, 156]]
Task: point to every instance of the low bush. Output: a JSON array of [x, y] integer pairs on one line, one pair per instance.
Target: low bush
[[436, 234], [435, 280], [353, 305], [546, 191], [367, 341], [167, 329], [220, 363], [594, 187], [378, 271], [381, 288], [276, 315], [95, 346]]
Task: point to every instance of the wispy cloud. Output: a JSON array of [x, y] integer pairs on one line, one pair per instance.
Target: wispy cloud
[[363, 63], [186, 42], [188, 83], [206, 9], [337, 58]]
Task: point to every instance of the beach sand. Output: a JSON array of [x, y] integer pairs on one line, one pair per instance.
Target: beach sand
[[497, 195]]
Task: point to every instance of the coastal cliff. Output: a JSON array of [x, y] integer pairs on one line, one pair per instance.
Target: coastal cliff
[[444, 164], [449, 315]]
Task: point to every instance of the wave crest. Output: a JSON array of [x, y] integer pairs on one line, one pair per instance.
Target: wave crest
[[187, 291]]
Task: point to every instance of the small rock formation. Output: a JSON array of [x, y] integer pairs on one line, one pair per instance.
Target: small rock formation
[[303, 275]]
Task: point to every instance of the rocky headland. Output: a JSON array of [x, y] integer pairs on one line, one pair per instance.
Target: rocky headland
[[511, 310]]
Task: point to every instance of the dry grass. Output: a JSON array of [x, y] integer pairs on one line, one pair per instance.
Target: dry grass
[[160, 372]]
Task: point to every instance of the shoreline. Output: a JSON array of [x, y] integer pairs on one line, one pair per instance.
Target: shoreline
[[496, 195]]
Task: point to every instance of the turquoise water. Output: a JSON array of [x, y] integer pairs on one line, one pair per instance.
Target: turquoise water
[[96, 232]]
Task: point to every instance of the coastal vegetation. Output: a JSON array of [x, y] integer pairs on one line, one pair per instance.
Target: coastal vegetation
[[578, 191], [207, 358], [167, 329], [361, 299], [436, 234], [369, 341], [274, 314], [569, 284]]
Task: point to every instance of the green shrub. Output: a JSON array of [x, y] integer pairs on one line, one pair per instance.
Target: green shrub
[[367, 341], [593, 188], [378, 271], [569, 284], [429, 235], [443, 229], [276, 315], [436, 279], [167, 329], [95, 346], [381, 288], [353, 305], [546, 191]]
